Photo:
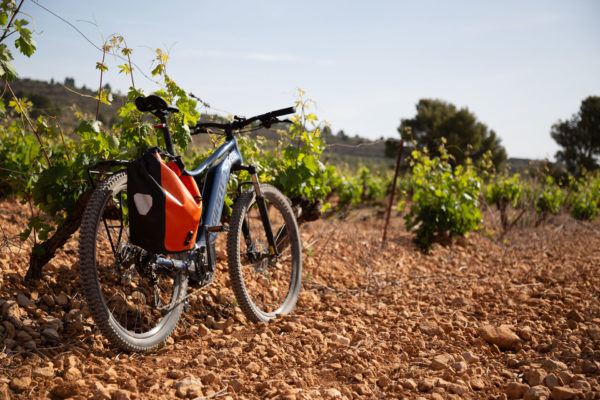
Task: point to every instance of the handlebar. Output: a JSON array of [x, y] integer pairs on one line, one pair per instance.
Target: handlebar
[[267, 120]]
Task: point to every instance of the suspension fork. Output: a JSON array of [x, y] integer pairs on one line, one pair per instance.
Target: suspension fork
[[262, 208]]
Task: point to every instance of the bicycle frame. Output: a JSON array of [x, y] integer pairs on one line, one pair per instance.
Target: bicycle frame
[[225, 158]]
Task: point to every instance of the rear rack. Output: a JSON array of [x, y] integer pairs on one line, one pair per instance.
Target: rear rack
[[104, 168]]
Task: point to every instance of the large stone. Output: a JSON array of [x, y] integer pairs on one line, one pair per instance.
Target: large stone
[[430, 328], [501, 336], [515, 390], [574, 315], [188, 386], [65, 390], [470, 357], [24, 301], [551, 380], [427, 384], [99, 392], [72, 374], [20, 384], [564, 393], [4, 391], [332, 393], [554, 365], [460, 390], [537, 393], [535, 376], [441, 361]]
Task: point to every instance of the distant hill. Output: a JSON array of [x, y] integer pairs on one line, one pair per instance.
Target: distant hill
[[56, 99]]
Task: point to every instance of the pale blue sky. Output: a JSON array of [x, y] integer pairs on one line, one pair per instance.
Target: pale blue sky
[[518, 65]]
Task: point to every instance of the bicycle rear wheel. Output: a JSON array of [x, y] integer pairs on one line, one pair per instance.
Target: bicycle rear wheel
[[135, 304], [265, 285]]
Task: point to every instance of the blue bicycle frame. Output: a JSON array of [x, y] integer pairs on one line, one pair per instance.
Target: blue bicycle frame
[[215, 185]]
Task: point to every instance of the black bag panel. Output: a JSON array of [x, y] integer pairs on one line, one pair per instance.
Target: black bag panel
[[146, 202]]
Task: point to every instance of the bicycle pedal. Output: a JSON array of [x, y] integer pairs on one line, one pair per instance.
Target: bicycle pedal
[[218, 228]]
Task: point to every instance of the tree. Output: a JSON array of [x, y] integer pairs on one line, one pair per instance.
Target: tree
[[465, 136], [579, 138]]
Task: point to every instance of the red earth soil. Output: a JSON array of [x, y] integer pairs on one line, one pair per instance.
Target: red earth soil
[[482, 318]]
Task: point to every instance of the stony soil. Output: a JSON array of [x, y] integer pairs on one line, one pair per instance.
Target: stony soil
[[481, 319]]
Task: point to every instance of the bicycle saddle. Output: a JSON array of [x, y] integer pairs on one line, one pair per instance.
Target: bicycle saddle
[[154, 103]]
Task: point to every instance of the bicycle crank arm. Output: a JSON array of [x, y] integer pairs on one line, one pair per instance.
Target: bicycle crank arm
[[177, 264]]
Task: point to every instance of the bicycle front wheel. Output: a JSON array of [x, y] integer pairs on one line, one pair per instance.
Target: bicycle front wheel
[[135, 304], [264, 284]]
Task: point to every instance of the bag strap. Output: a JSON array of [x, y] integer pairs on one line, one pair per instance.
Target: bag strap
[[176, 159]]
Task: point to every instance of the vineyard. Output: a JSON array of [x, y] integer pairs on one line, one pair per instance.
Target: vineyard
[[486, 284]]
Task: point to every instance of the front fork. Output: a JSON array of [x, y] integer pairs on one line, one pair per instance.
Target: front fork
[[264, 213]]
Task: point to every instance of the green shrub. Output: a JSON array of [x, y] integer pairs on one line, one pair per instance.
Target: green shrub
[[549, 198], [445, 200], [503, 191], [584, 202]]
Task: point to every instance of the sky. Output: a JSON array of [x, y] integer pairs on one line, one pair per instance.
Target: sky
[[519, 66]]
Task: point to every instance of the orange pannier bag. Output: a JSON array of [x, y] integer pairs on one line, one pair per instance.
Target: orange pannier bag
[[164, 205]]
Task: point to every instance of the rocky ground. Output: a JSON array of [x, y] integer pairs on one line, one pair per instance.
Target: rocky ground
[[481, 319]]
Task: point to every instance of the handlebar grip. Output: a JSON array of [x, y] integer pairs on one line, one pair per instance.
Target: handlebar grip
[[283, 111]]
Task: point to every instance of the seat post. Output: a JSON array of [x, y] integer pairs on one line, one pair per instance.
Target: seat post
[[166, 133]]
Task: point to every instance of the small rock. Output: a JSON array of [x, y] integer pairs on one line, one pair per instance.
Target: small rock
[[9, 329], [51, 333], [551, 380], [48, 300], [384, 381], [564, 393], [408, 384], [583, 385], [537, 393], [189, 386], [72, 374], [566, 377], [120, 394], [501, 336], [440, 361], [515, 390], [203, 330], [430, 328], [253, 367], [22, 337], [477, 384], [175, 374], [339, 339], [43, 372], [332, 393], [455, 388], [100, 392], [65, 390], [210, 378], [212, 362], [427, 384], [574, 315], [525, 333], [589, 367], [30, 345], [62, 299], [24, 301], [289, 327], [4, 391], [460, 367], [553, 365], [469, 357], [535, 377], [20, 384]]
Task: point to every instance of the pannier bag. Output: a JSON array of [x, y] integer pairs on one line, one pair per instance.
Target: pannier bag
[[164, 205]]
